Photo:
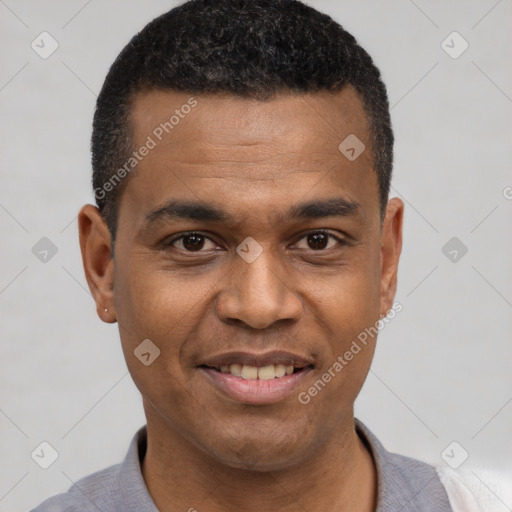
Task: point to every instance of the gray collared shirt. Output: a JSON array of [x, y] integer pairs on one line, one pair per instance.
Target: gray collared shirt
[[404, 484]]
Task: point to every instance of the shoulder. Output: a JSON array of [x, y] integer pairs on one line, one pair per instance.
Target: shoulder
[[404, 483], [91, 493], [472, 492], [417, 484], [119, 487]]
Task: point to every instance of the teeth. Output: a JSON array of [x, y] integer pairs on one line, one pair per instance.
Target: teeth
[[236, 370], [266, 372], [280, 370], [253, 372], [249, 372]]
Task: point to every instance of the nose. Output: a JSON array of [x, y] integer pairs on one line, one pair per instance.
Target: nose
[[259, 294]]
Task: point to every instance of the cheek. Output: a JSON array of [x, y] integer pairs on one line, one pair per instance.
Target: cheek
[[156, 303], [350, 299], [347, 309], [348, 317], [147, 309]]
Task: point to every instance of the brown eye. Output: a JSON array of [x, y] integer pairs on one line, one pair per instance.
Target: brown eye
[[191, 242], [318, 241]]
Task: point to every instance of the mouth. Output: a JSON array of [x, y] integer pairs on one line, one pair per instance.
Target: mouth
[[248, 372], [256, 379]]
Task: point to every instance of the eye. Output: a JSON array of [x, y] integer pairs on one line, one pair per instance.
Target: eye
[[319, 240], [195, 242], [190, 242]]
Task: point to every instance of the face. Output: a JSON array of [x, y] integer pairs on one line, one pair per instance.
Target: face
[[250, 251]]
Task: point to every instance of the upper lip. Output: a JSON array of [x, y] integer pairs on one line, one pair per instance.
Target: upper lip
[[259, 360]]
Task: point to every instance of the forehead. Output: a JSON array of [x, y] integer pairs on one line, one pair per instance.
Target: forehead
[[222, 119], [242, 154]]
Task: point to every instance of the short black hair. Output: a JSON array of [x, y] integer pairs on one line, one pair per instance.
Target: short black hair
[[248, 48]]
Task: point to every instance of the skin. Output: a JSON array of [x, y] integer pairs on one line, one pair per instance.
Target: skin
[[254, 160]]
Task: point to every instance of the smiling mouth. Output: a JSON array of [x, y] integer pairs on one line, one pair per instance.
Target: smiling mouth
[[248, 372], [257, 379]]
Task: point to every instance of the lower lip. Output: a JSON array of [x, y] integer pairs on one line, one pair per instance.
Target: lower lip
[[256, 391]]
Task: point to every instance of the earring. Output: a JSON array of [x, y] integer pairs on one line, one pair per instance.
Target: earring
[[106, 310]]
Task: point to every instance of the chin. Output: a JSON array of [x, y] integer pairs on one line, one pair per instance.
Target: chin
[[262, 453], [260, 461]]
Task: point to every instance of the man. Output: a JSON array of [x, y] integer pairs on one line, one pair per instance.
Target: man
[[245, 245]]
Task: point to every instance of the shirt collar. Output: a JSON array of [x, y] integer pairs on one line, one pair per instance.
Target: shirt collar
[[400, 480], [131, 485], [404, 483]]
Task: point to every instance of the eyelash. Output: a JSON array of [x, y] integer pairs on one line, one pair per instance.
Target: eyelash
[[340, 241]]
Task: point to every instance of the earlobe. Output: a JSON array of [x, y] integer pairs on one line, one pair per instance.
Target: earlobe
[[95, 245], [390, 253]]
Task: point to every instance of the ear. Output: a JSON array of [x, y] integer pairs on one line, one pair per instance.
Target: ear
[[390, 253], [95, 244]]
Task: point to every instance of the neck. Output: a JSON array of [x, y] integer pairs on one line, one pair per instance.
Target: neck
[[339, 477]]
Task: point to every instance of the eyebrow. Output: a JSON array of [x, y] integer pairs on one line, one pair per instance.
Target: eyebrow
[[199, 211]]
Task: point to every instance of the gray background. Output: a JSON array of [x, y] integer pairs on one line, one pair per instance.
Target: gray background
[[442, 367]]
